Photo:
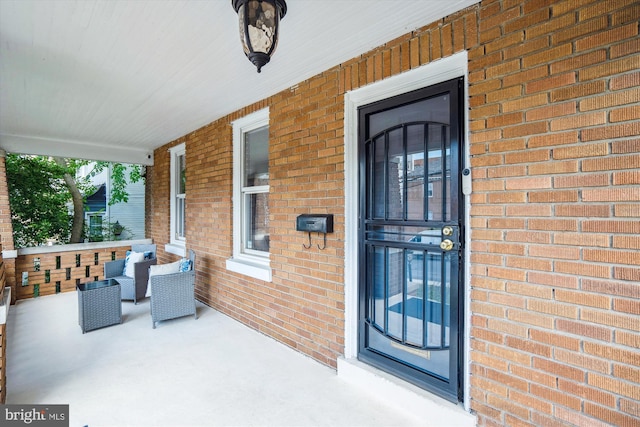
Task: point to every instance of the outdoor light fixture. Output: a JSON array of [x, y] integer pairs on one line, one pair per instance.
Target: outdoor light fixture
[[117, 229], [259, 22]]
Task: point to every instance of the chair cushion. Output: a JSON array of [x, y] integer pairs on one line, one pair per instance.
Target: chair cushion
[[185, 265], [161, 269], [130, 260]]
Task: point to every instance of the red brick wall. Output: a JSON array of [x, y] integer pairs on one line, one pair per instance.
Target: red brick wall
[[6, 228], [3, 334], [554, 124], [49, 279], [555, 260], [3, 364]]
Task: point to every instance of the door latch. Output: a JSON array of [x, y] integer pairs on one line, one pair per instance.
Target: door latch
[[446, 245]]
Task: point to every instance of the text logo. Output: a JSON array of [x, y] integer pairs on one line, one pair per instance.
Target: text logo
[[35, 415]]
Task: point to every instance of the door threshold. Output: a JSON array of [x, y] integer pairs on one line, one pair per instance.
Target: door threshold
[[403, 395]]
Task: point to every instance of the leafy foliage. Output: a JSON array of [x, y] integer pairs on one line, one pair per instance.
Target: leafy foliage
[[119, 182], [38, 197]]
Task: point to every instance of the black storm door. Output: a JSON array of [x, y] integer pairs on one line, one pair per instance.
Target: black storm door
[[410, 237]]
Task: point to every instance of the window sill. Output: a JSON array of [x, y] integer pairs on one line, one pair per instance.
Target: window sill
[[248, 268], [179, 250]]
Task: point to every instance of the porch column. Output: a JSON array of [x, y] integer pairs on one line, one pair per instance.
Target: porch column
[[6, 229]]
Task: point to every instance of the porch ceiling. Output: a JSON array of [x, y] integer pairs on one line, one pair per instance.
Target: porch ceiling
[[114, 80]]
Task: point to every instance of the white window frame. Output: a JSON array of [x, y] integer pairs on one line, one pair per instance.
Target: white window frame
[[177, 245], [87, 219], [255, 264]]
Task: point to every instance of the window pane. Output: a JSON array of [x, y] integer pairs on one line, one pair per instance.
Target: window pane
[[181, 174], [436, 135], [256, 157], [178, 191], [435, 109], [396, 179], [378, 279], [256, 213], [95, 228], [180, 221], [415, 172], [395, 290], [379, 188], [413, 308]]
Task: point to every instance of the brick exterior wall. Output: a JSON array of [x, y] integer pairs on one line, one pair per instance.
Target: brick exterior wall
[[555, 260], [3, 363], [3, 335], [6, 228], [49, 273], [554, 124]]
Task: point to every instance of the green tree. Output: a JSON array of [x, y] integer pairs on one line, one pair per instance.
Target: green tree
[[38, 197], [69, 169], [41, 189], [119, 180]]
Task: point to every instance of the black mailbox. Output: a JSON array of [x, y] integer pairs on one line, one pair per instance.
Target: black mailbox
[[319, 223]]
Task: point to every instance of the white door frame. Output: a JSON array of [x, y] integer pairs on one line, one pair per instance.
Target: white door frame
[[438, 71]]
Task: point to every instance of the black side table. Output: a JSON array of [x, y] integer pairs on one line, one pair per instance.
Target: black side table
[[99, 304]]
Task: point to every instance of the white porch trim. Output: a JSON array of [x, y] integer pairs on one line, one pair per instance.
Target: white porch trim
[[75, 149]]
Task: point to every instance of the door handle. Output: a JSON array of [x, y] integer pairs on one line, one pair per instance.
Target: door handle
[[446, 245]]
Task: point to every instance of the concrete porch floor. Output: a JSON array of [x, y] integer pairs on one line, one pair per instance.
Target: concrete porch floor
[[212, 371]]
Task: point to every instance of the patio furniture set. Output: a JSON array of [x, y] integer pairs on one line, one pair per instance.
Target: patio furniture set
[[170, 288]]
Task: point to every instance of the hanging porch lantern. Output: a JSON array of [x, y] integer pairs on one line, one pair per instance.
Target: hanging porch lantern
[[259, 24]]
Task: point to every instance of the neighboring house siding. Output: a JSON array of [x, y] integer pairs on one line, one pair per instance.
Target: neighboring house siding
[[131, 214], [554, 120]]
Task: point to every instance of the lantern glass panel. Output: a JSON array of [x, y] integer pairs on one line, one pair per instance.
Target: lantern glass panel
[[243, 38], [261, 17]]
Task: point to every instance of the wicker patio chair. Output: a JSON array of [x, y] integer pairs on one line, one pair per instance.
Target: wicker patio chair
[[173, 295], [132, 288]]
